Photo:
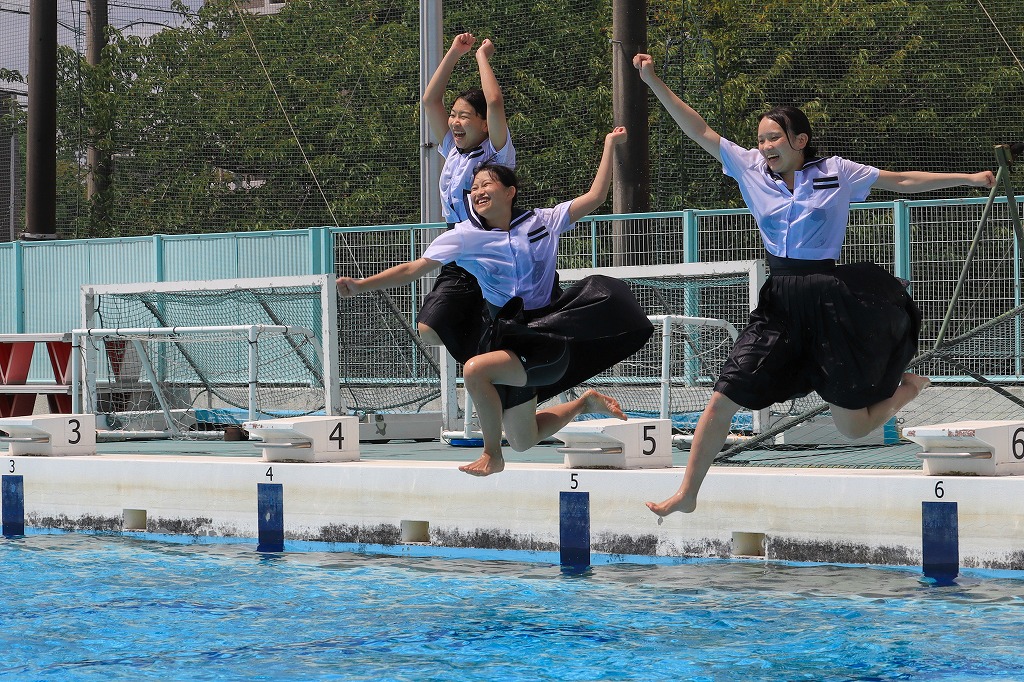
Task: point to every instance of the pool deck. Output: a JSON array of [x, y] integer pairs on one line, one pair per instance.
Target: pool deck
[[412, 492]]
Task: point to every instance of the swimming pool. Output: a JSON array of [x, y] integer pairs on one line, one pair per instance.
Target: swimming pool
[[80, 607]]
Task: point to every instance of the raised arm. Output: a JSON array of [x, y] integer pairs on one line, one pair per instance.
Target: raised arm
[[587, 203], [909, 182], [497, 125], [385, 279], [433, 94], [692, 123]]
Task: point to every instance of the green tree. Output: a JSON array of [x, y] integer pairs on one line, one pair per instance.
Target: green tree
[[233, 121]]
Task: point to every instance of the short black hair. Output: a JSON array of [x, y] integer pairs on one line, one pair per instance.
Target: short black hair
[[505, 175], [794, 122], [475, 98]]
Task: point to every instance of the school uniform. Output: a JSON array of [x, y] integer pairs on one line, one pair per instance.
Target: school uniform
[[457, 173], [845, 331], [561, 339], [451, 308]]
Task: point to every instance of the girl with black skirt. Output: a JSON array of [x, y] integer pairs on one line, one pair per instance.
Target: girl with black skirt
[[535, 344], [473, 131], [845, 331]]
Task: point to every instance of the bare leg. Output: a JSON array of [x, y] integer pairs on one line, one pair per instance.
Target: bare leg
[[525, 427], [859, 423], [480, 374], [708, 439], [428, 335]]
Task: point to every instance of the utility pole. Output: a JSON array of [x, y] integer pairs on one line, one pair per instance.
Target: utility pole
[[430, 160], [631, 177], [98, 160], [41, 166]]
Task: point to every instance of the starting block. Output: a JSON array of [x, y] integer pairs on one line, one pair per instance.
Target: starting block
[[983, 448], [382, 427], [307, 439], [821, 430], [50, 434], [616, 444]]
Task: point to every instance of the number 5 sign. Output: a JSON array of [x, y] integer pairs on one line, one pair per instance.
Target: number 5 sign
[[617, 444]]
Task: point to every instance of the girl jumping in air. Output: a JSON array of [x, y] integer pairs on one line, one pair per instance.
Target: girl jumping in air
[[536, 345], [472, 132], [847, 332]]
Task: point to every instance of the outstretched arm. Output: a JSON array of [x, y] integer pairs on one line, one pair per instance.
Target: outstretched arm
[[692, 123], [909, 182], [433, 94], [385, 279], [497, 125], [587, 203]]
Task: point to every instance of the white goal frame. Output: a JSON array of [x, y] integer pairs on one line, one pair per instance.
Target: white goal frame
[[755, 271], [327, 301]]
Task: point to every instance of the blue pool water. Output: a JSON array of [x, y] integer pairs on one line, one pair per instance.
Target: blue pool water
[[81, 607]]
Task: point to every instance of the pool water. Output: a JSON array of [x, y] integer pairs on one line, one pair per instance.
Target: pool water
[[83, 607]]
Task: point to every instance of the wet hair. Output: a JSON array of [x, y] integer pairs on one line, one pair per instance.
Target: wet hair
[[504, 174], [794, 122], [475, 98]]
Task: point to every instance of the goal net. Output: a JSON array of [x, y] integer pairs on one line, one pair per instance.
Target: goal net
[[181, 358], [976, 373], [697, 310]]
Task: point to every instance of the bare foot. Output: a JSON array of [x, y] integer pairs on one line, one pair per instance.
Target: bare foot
[[918, 382], [676, 503], [485, 466], [598, 403]]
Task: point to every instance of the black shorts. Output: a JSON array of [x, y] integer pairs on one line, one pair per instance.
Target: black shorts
[[545, 361], [594, 324], [847, 332]]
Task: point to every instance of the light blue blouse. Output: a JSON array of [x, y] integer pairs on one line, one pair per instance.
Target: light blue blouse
[[810, 222], [521, 262]]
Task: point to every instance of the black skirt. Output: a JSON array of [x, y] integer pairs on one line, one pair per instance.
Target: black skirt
[[847, 332], [594, 324], [454, 310]]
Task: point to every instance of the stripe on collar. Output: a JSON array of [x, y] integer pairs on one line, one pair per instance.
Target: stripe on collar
[[471, 153]]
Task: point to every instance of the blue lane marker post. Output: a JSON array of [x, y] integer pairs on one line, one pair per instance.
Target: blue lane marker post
[[13, 502], [270, 502], [940, 542], [574, 529]]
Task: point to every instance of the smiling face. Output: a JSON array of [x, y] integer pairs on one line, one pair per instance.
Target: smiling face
[[468, 127], [492, 199], [783, 154]]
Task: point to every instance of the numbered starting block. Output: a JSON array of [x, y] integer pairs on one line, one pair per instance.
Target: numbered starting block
[[616, 444], [982, 448], [307, 439], [50, 435]]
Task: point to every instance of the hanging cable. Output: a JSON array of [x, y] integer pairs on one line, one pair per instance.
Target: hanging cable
[[1001, 36], [384, 296]]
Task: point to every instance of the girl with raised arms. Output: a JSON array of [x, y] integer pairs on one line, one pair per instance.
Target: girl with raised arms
[[473, 131], [536, 345], [847, 332]]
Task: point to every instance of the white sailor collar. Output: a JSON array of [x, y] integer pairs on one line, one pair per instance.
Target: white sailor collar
[[807, 164]]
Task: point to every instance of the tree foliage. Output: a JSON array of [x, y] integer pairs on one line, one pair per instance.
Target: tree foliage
[[311, 116]]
